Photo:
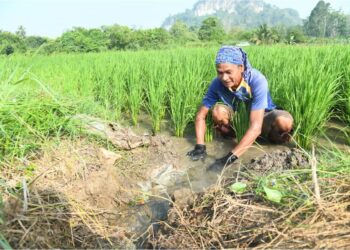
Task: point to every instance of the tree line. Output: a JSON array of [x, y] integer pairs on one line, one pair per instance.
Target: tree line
[[323, 22]]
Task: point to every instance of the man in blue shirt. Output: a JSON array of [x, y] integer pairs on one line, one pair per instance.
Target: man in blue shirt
[[236, 82]]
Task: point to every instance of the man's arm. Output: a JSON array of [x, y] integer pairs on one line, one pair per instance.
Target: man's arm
[[200, 125], [255, 125]]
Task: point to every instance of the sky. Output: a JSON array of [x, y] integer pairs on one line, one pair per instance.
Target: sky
[[51, 18]]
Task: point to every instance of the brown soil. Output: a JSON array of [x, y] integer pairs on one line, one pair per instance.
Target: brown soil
[[78, 197]]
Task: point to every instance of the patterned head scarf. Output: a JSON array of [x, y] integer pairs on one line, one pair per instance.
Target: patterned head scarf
[[234, 55]]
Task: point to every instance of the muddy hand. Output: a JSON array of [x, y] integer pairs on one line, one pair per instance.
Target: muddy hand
[[219, 164], [199, 152]]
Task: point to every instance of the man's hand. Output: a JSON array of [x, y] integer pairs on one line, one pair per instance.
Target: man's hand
[[199, 152], [219, 164]]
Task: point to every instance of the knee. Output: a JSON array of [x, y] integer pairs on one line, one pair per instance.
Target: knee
[[221, 116], [284, 124]]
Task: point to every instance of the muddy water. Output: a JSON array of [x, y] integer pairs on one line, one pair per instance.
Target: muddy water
[[198, 178], [195, 175]]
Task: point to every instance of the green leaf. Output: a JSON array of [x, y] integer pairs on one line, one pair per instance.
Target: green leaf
[[238, 187], [273, 195], [4, 244]]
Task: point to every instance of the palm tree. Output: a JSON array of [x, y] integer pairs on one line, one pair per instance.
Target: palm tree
[[265, 35]]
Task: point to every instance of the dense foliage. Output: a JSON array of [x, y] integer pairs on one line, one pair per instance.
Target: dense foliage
[[322, 26]]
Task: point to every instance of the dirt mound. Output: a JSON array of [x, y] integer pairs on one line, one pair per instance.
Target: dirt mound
[[278, 161]]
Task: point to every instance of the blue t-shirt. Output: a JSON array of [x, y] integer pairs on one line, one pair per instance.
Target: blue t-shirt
[[253, 90]]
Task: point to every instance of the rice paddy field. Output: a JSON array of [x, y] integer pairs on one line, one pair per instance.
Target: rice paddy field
[[40, 94], [313, 83]]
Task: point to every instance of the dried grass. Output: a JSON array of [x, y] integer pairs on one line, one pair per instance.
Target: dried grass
[[51, 221], [218, 218]]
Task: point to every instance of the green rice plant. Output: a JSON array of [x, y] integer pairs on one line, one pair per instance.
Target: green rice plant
[[3, 243], [240, 120], [345, 91], [134, 86], [208, 137], [305, 82], [109, 89], [187, 89], [311, 98], [180, 109], [302, 80], [157, 82], [119, 93], [103, 85]]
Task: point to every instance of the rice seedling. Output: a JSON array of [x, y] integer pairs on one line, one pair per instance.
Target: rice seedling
[[240, 120], [208, 137]]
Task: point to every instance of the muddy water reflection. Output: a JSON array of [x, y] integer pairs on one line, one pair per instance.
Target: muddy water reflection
[[197, 177]]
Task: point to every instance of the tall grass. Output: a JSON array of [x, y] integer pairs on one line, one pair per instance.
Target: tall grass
[[29, 114], [27, 121]]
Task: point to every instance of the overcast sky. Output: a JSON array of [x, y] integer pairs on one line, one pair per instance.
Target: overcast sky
[[52, 17]]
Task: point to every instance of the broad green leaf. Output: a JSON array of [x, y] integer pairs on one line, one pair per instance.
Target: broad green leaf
[[238, 187], [273, 195]]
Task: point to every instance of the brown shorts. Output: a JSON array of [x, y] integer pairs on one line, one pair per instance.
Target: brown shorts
[[268, 130]]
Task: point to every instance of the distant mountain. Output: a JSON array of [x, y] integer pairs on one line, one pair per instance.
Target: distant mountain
[[233, 13]]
